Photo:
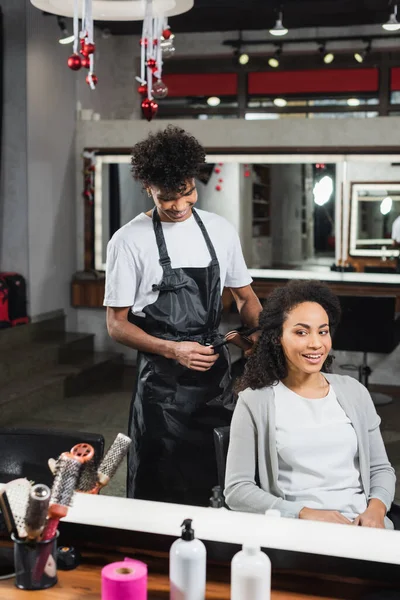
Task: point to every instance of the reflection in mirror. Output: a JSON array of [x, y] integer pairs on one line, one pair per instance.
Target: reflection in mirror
[[288, 212], [375, 207]]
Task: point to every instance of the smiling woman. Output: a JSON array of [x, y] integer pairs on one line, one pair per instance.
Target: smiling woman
[[302, 440]]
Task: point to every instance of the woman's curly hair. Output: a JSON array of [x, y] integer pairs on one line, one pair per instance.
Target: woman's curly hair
[[267, 364], [167, 159]]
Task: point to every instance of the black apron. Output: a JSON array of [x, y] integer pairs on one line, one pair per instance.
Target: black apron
[[175, 409]]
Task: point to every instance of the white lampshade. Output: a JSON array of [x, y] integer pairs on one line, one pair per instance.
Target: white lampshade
[[116, 10]]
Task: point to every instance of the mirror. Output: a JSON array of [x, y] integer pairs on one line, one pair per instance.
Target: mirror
[[374, 207], [292, 213], [283, 211]]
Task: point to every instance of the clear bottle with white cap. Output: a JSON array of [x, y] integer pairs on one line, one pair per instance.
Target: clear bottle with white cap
[[250, 574]]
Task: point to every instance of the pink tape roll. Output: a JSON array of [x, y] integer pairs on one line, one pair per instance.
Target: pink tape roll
[[125, 579]]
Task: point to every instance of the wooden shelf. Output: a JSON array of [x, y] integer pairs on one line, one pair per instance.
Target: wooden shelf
[[87, 293]]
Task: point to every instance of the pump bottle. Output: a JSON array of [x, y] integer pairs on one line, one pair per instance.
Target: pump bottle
[[250, 575], [187, 566]]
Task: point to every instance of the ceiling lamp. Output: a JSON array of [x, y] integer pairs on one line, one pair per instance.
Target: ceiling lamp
[[361, 56], [280, 102], [243, 58], [65, 37], [353, 102], [278, 29], [273, 61], [327, 57], [392, 24], [116, 10], [213, 101]]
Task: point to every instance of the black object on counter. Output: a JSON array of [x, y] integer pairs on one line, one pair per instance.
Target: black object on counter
[[217, 499], [68, 558]]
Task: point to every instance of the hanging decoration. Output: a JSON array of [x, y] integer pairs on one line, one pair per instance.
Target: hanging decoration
[[84, 39], [220, 181], [155, 34]]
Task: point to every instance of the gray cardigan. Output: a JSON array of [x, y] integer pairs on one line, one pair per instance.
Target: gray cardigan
[[252, 450]]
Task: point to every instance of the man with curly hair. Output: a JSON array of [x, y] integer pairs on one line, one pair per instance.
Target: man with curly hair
[[166, 270]]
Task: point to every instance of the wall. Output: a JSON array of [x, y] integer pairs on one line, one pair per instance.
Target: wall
[[286, 195], [14, 195], [51, 167]]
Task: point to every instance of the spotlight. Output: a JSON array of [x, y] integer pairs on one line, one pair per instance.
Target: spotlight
[[281, 102], [361, 56], [278, 29], [213, 101], [66, 38], [327, 57], [273, 61], [392, 24], [353, 102], [244, 59]]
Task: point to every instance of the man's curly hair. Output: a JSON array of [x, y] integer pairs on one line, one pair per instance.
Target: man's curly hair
[[167, 159], [267, 364]]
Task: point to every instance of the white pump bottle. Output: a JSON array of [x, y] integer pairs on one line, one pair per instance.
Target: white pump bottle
[[187, 566]]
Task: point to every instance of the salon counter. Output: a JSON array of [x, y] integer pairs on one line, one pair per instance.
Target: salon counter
[[343, 284], [85, 583], [310, 560]]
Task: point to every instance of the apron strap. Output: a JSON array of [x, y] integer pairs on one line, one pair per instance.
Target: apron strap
[[165, 260], [206, 236]]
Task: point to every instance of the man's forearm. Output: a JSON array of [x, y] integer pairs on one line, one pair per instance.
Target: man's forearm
[[249, 311], [129, 335]]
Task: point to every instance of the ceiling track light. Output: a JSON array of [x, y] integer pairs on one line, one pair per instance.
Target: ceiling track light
[[274, 60], [327, 57], [279, 29], [392, 24], [66, 38], [361, 56]]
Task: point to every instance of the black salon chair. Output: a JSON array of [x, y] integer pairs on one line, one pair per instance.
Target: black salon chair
[[368, 324], [25, 452], [221, 442]]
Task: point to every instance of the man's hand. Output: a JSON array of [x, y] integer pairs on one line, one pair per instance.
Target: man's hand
[[373, 516], [328, 516], [253, 338], [194, 356]]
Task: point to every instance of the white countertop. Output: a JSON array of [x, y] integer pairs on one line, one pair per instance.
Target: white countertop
[[382, 278], [221, 525]]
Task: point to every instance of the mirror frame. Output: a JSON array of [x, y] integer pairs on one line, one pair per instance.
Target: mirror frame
[[353, 226]]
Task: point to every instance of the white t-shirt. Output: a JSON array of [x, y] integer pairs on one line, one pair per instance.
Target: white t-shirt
[[317, 453], [133, 259], [396, 230]]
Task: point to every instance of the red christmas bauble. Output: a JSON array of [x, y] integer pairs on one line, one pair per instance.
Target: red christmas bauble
[[142, 89], [94, 79], [149, 108], [220, 180], [151, 63], [166, 34], [217, 170], [74, 62], [85, 61], [218, 188], [247, 173], [143, 42], [88, 49]]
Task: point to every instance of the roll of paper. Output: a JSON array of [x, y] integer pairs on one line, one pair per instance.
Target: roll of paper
[[125, 579]]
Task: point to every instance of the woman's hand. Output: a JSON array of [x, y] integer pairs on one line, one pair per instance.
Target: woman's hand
[[194, 356], [328, 516], [373, 516]]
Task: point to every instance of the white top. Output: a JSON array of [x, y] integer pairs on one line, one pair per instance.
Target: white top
[[133, 259], [317, 453], [396, 230]]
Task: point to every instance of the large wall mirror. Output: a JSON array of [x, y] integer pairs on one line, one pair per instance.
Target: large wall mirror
[[374, 208]]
